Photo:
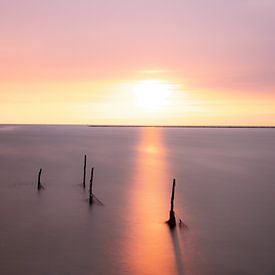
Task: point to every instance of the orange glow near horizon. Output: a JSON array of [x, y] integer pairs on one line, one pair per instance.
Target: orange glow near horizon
[[149, 100]]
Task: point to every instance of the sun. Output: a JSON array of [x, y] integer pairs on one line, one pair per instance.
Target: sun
[[152, 94]]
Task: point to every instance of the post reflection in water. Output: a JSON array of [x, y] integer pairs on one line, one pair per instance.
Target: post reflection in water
[[149, 247]]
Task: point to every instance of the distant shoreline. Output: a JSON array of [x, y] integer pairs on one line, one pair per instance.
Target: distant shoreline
[[149, 126], [180, 126]]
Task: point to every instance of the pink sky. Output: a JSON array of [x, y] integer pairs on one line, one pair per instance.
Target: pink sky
[[70, 57]]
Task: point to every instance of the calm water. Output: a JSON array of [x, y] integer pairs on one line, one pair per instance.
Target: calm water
[[225, 193]]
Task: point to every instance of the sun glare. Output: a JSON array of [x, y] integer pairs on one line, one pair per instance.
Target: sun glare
[[152, 94]]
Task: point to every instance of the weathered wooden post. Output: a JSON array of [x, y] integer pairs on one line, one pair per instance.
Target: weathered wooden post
[[91, 187], [84, 176], [39, 185], [172, 220]]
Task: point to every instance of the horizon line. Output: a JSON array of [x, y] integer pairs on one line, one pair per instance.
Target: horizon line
[[183, 126], [141, 126]]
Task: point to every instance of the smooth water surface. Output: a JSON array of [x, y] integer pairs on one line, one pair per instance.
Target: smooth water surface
[[225, 194]]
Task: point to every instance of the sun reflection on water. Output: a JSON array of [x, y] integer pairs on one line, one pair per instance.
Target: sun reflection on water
[[149, 247]]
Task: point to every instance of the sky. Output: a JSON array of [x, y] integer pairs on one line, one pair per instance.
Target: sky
[[141, 62]]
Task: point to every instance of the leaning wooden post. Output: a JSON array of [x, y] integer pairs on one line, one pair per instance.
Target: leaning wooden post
[[91, 187], [84, 176], [39, 186], [172, 219]]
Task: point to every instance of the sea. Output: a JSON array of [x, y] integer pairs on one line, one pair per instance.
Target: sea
[[224, 200]]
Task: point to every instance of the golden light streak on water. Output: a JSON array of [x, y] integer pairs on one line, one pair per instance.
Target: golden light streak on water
[[149, 247]]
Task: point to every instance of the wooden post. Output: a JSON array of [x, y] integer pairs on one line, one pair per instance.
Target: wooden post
[[84, 176], [91, 187], [39, 186], [172, 219]]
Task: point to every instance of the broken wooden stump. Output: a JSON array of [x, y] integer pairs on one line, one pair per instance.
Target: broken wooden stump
[[91, 187], [84, 176], [92, 196], [39, 185], [172, 219]]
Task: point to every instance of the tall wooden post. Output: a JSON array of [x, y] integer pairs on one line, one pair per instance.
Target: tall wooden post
[[172, 219], [84, 176], [91, 187], [39, 186]]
